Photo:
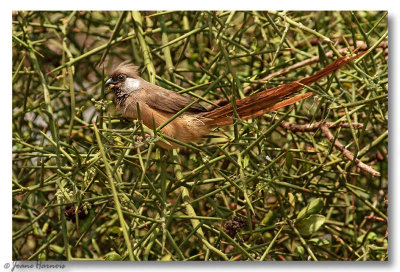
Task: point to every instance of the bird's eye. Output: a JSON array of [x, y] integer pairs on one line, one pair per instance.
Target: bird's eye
[[121, 77]]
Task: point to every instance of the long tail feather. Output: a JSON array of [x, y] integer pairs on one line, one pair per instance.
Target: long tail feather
[[274, 98]]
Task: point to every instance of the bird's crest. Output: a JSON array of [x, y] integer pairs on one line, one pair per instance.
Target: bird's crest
[[126, 68]]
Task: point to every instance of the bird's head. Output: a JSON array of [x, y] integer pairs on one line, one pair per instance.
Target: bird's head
[[124, 79]]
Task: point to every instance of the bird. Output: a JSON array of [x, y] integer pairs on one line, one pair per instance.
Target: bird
[[158, 105]]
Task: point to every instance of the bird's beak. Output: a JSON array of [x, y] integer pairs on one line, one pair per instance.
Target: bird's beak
[[109, 83]]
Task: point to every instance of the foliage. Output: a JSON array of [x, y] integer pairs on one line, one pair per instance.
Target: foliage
[[89, 186]]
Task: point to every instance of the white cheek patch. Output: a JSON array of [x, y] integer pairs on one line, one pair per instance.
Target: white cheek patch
[[132, 84]]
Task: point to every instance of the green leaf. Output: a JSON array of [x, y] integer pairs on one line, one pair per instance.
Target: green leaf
[[313, 207], [372, 236], [115, 230], [57, 249], [85, 224], [311, 224], [112, 256], [267, 220], [246, 160], [166, 257], [289, 160], [254, 45], [299, 250]]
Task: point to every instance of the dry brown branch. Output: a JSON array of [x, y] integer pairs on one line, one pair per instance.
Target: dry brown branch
[[347, 153], [313, 127]]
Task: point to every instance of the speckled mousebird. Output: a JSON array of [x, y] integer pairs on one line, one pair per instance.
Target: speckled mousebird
[[196, 122]]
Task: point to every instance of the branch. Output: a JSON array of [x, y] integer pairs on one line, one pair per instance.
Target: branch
[[329, 54], [347, 153], [315, 126]]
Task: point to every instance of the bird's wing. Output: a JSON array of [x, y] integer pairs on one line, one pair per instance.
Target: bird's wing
[[169, 101]]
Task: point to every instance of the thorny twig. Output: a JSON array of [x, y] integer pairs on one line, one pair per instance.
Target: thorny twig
[[325, 130], [347, 153], [361, 45], [313, 127]]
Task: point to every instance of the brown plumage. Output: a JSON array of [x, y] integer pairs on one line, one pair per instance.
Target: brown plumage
[[159, 104]]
